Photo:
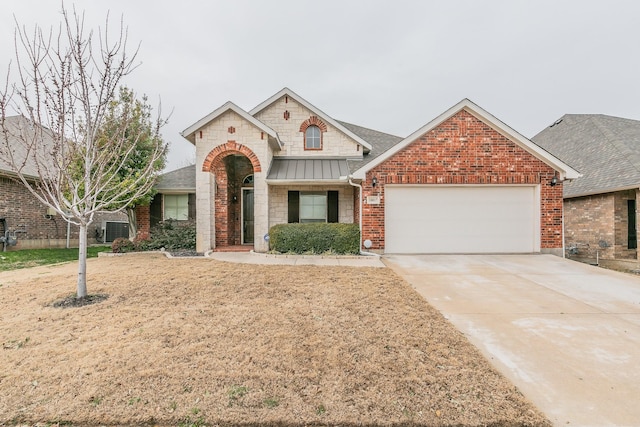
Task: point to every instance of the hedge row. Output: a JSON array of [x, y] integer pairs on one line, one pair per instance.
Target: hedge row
[[315, 238]]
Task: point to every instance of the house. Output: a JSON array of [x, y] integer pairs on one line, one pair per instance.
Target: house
[[601, 216], [29, 223], [463, 183]]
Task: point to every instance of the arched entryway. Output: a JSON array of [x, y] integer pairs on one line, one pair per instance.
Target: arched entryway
[[233, 194]]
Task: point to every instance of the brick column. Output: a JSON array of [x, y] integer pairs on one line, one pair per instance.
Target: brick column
[[143, 220]]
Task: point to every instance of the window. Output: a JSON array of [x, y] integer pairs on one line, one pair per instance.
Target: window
[[176, 206], [313, 207], [321, 206], [312, 138], [632, 235]]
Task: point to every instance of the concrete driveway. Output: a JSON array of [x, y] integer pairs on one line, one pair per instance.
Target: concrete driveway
[[566, 334]]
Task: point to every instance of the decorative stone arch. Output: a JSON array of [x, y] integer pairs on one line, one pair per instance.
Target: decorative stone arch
[[313, 121], [216, 156]]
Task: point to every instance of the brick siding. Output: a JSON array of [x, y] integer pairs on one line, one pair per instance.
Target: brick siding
[[464, 150], [598, 226], [143, 220], [25, 214]]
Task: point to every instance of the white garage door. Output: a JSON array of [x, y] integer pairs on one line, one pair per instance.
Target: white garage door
[[461, 219]]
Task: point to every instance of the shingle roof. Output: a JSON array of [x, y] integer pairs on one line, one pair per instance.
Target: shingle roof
[[20, 129], [380, 142], [183, 179], [605, 149]]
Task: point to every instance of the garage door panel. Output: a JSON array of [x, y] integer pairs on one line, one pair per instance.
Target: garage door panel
[[471, 219]]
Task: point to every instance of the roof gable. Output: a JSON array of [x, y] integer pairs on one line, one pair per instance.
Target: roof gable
[[189, 133], [605, 149], [566, 171], [325, 117]]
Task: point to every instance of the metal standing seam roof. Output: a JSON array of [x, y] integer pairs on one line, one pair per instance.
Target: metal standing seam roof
[[288, 169]]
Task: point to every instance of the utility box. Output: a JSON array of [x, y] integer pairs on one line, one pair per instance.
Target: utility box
[[114, 229]]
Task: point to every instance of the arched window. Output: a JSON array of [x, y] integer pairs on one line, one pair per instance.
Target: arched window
[[248, 181], [313, 138]]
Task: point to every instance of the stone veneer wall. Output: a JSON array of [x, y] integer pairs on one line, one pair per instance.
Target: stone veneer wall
[[334, 142], [279, 205]]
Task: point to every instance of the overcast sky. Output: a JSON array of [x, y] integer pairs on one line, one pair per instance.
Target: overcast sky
[[388, 65]]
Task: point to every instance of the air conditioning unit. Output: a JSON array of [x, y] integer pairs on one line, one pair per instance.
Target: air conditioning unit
[[111, 230]]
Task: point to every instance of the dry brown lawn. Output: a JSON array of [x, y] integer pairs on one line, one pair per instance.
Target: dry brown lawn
[[196, 342]]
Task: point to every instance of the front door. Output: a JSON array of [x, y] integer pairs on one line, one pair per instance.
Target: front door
[[247, 215]]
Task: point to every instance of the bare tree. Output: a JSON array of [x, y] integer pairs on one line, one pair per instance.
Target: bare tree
[[64, 86]]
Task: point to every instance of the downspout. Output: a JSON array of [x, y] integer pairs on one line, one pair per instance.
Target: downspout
[[359, 187], [564, 252]]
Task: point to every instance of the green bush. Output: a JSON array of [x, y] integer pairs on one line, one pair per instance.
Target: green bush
[[315, 238]]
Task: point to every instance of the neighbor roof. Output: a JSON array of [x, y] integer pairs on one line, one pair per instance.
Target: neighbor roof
[[564, 169], [20, 129], [605, 149]]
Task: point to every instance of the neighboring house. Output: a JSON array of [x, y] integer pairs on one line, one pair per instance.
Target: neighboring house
[[601, 215], [30, 222], [463, 183]]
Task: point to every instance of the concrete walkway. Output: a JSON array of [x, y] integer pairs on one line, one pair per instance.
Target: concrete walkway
[[566, 334], [259, 258]]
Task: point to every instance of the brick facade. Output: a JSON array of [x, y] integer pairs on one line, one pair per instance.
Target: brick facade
[[34, 228], [143, 220], [597, 226], [463, 150], [230, 163]]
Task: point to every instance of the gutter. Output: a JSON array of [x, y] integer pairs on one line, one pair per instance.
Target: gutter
[[359, 187]]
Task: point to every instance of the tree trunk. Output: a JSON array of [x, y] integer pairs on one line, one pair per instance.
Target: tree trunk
[[82, 263], [133, 223]]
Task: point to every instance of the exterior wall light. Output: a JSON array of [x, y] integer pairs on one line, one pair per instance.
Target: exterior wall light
[[553, 181], [374, 181]]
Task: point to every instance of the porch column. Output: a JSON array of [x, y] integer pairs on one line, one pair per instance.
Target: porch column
[[205, 183], [261, 212]]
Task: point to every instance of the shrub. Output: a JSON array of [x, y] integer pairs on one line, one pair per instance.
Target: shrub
[[122, 245], [171, 235], [315, 238]]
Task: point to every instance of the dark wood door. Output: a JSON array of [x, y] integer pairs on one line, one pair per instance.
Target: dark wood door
[[247, 216]]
